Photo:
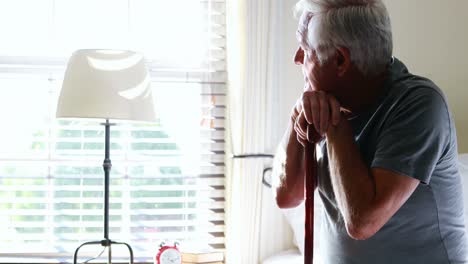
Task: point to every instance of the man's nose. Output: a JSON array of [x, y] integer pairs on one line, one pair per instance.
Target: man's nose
[[299, 57]]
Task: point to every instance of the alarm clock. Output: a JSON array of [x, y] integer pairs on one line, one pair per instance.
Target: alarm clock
[[168, 255]]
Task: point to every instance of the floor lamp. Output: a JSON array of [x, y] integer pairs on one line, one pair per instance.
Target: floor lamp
[[106, 84]]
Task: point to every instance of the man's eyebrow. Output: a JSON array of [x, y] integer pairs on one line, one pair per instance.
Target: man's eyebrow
[[301, 39]]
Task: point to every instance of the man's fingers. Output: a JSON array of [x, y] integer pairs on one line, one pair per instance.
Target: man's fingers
[[299, 128], [335, 110], [313, 112], [299, 125], [308, 102], [324, 112], [318, 109], [296, 110], [301, 141]]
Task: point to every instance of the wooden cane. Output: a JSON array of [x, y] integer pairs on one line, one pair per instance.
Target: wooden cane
[[310, 181]]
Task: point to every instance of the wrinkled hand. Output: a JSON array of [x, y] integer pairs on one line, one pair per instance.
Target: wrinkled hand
[[313, 114]]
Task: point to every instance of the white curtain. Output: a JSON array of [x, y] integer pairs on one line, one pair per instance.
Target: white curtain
[[255, 228]]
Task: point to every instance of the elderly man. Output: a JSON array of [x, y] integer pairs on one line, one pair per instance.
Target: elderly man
[[388, 175]]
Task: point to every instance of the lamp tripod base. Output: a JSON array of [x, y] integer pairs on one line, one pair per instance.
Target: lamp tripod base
[[107, 244]]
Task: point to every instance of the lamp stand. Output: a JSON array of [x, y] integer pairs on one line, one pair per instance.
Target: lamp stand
[[106, 242]]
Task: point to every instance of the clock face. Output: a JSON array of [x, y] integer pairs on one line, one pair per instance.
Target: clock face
[[170, 256]]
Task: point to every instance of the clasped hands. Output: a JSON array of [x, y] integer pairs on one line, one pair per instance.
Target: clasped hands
[[313, 114]]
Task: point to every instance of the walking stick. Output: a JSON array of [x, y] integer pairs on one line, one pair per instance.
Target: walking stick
[[310, 182]]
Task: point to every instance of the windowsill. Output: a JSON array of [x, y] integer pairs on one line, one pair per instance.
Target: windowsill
[[35, 259], [57, 261]]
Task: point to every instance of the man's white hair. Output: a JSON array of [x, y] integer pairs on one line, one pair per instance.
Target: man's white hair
[[362, 26]]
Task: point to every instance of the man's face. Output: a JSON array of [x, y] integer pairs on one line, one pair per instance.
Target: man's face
[[317, 76]]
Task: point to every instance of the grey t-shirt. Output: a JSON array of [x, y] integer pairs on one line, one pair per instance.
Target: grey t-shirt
[[409, 131]]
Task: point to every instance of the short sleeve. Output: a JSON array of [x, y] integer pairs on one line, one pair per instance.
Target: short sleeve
[[414, 135]]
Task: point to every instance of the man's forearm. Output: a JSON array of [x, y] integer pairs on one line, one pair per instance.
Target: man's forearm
[[352, 181], [290, 191]]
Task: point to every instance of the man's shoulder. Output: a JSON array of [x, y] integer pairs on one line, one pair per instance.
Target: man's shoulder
[[405, 81], [406, 88]]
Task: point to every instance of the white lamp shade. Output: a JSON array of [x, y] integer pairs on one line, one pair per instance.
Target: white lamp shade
[[107, 84]]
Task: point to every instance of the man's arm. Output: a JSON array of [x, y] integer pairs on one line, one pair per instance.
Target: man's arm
[[367, 198], [289, 188]]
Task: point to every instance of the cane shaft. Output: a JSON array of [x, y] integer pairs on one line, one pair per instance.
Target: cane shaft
[[310, 180]]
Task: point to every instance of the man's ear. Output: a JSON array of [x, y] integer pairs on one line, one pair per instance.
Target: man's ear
[[343, 61]]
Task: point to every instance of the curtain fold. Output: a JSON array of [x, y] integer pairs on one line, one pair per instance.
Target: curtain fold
[[255, 227]]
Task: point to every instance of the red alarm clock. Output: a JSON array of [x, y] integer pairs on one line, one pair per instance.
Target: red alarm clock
[[168, 254]]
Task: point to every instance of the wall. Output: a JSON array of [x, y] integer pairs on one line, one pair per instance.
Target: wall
[[430, 36]]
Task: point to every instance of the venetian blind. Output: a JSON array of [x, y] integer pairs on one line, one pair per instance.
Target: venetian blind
[[167, 178]]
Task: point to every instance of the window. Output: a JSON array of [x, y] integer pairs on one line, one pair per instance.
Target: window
[[167, 178]]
